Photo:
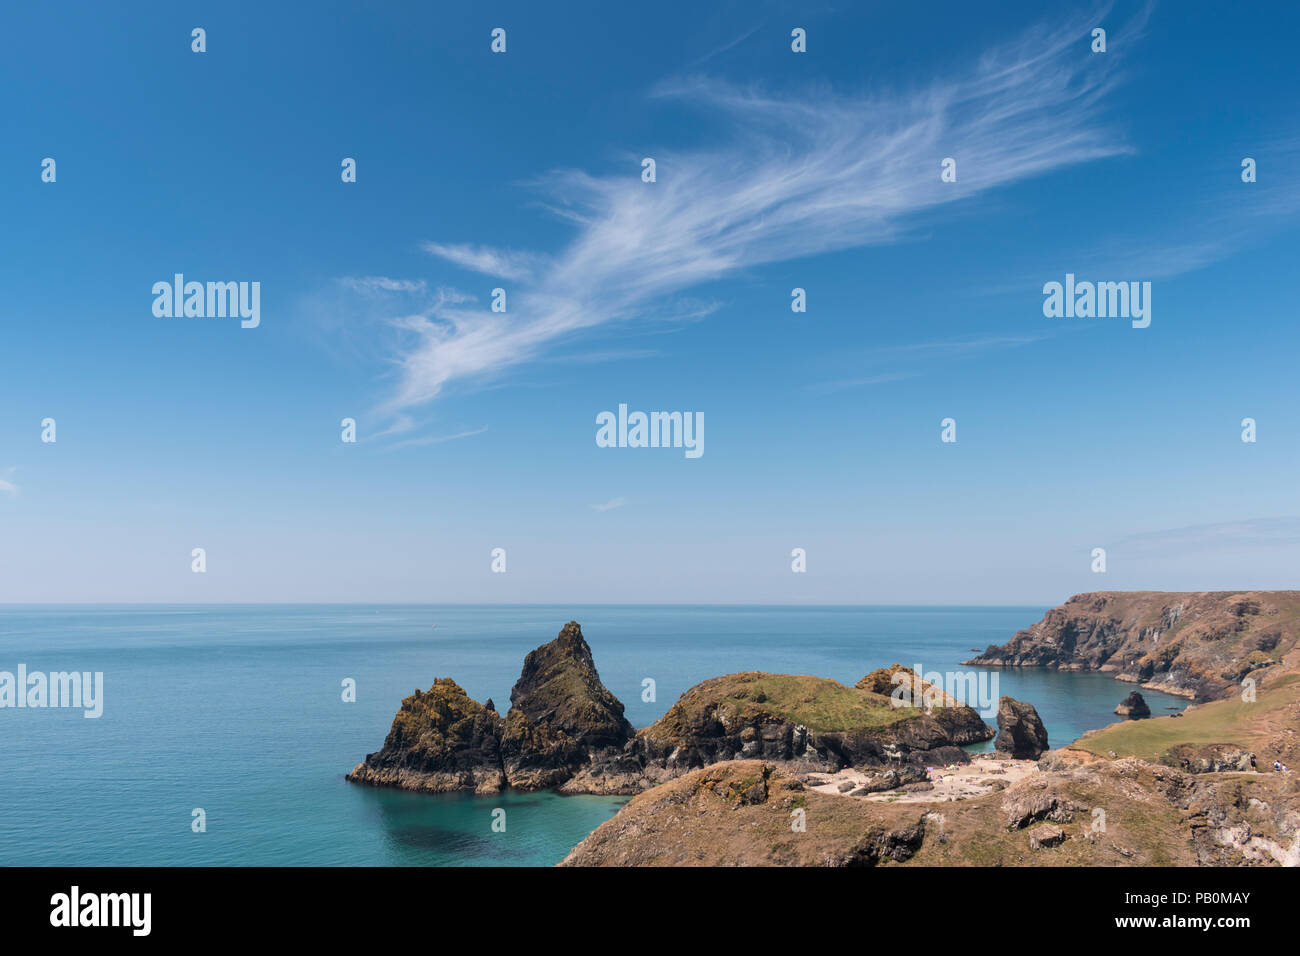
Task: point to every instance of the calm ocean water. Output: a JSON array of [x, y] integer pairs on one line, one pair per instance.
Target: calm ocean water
[[238, 710]]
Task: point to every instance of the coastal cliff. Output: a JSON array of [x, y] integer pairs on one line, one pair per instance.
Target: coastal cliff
[[1198, 645]]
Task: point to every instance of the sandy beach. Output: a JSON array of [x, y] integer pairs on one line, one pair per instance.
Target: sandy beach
[[984, 774]]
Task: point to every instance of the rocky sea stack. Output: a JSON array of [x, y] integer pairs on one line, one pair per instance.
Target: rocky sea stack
[[1020, 730], [1134, 707], [441, 740], [561, 717], [562, 720]]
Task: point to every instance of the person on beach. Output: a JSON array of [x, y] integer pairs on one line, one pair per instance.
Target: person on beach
[[1252, 762]]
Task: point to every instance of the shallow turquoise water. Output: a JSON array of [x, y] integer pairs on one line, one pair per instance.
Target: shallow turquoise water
[[238, 710]]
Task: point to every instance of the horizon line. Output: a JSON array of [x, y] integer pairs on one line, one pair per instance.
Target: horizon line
[[600, 604], [13, 604]]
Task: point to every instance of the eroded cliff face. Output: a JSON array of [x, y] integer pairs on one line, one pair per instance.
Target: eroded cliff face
[[1198, 645]]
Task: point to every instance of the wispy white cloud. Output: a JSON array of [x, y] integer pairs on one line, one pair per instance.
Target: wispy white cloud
[[505, 264], [794, 175], [6, 486], [1229, 217], [734, 42], [606, 355], [957, 348], [610, 505], [885, 378], [370, 284], [436, 439], [1247, 534], [923, 355], [1242, 217]]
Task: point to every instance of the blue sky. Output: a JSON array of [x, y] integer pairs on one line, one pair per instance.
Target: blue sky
[[521, 170]]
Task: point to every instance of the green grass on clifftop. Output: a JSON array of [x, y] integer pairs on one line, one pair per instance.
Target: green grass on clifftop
[[821, 704], [1251, 725]]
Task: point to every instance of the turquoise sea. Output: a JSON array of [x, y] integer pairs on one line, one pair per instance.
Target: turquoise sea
[[238, 710]]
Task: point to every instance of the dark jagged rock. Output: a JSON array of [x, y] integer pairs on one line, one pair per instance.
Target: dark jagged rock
[[559, 688], [561, 718], [1020, 730], [1133, 707], [441, 740], [562, 722]]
